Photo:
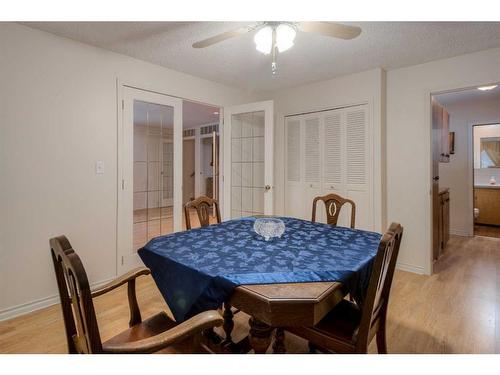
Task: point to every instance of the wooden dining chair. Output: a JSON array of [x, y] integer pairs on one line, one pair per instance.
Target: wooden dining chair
[[202, 206], [82, 331], [347, 329], [333, 204]]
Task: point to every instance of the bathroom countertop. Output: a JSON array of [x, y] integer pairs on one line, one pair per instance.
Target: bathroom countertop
[[486, 186]]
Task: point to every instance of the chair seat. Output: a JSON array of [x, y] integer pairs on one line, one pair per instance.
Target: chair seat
[[153, 326], [337, 331]]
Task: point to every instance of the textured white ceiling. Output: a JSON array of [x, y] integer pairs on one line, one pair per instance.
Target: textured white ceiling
[[313, 58]]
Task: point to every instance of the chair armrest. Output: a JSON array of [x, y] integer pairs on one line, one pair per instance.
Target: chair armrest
[[198, 323], [125, 278]]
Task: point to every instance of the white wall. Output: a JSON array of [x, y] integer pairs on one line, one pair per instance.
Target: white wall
[[366, 87], [58, 115], [456, 175], [409, 142]]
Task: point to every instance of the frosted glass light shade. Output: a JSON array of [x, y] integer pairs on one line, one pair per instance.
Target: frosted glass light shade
[[285, 35], [264, 40]]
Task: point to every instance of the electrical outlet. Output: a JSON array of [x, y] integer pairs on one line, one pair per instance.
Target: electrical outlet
[[99, 167]]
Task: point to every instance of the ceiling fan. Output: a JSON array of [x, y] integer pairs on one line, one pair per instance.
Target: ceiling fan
[[278, 36]]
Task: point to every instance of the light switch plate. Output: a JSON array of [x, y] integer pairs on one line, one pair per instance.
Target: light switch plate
[[99, 167]]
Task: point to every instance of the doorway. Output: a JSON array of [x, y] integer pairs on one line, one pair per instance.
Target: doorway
[[486, 161], [162, 140], [200, 154], [460, 183]]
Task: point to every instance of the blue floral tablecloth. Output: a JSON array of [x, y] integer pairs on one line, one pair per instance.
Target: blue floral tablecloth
[[197, 270]]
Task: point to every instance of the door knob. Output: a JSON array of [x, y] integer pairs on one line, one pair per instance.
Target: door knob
[[267, 187]]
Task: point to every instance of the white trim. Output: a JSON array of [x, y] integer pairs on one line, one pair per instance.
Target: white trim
[[429, 263], [220, 191], [339, 106], [461, 233], [26, 308], [197, 163], [411, 268], [470, 177]]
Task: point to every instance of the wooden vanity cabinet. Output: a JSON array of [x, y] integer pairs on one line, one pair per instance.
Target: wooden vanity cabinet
[[444, 219], [487, 201]]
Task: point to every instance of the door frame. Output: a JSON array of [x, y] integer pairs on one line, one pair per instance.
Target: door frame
[[125, 259], [189, 139], [428, 93], [225, 157], [470, 164]]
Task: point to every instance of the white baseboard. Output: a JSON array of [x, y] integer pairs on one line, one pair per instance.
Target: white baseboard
[[410, 268], [462, 233], [26, 308]]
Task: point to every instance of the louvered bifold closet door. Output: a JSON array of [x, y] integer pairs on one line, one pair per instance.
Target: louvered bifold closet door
[[329, 152], [293, 175], [358, 179], [334, 169], [312, 162]]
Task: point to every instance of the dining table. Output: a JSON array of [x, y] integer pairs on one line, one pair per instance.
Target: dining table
[[291, 280]]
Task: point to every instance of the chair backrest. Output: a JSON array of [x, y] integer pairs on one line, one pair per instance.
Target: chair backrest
[[377, 296], [202, 205], [79, 315], [333, 204]]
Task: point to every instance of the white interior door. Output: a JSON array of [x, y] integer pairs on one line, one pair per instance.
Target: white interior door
[[248, 160], [149, 171]]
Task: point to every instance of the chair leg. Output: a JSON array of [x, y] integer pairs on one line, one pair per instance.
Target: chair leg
[[228, 323], [381, 341], [312, 348]]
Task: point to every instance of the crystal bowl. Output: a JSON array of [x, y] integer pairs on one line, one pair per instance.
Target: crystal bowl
[[269, 227]]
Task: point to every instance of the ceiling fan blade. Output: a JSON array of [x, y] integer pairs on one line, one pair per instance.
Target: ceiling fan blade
[[223, 36], [335, 30]]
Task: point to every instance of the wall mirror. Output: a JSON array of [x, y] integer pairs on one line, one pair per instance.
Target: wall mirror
[[490, 152]]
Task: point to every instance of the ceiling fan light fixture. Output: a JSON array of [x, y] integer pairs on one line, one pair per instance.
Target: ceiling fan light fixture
[[285, 35], [264, 40]]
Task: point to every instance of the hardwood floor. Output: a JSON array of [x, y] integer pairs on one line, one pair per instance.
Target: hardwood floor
[[487, 230], [154, 222], [456, 310]]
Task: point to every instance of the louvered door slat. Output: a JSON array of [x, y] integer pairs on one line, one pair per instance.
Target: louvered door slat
[[333, 150], [293, 150], [312, 151], [356, 150]]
